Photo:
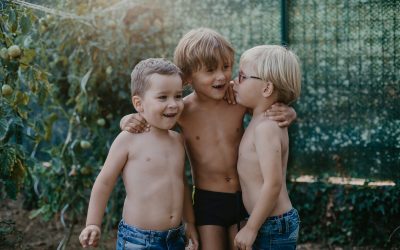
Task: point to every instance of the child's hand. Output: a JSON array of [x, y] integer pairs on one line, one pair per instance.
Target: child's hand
[[134, 123], [192, 237], [245, 238], [90, 236], [281, 113], [229, 94]]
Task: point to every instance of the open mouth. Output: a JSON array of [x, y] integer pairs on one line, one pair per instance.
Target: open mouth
[[218, 86], [170, 115]]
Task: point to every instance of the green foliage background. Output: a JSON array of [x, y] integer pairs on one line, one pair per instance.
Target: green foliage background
[[71, 87]]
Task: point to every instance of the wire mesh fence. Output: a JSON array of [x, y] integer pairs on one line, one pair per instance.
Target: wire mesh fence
[[348, 114]]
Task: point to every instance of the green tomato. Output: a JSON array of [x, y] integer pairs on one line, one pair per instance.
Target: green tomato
[[14, 51], [101, 122], [6, 90], [109, 70], [86, 170], [85, 144], [4, 53]]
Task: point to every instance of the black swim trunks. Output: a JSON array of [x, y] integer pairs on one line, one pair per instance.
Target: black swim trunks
[[217, 208]]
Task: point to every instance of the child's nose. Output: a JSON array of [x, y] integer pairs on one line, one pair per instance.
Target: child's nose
[[172, 104], [220, 75]]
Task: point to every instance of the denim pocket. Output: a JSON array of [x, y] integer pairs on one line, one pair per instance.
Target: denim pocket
[[134, 245], [279, 233]]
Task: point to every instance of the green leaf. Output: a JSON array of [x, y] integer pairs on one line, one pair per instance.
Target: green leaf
[[36, 212], [12, 21], [28, 56], [8, 157], [21, 98], [85, 79], [4, 127], [25, 24]]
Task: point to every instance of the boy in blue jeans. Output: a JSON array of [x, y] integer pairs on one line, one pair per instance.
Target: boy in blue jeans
[[152, 168], [212, 129], [268, 74]]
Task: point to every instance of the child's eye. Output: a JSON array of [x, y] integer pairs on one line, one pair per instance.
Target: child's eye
[[178, 96], [162, 97], [210, 70]]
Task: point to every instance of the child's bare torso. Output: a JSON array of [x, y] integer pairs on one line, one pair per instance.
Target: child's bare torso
[[153, 178], [251, 178], [212, 135]]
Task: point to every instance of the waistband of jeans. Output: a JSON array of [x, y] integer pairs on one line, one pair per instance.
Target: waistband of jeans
[[287, 214], [153, 233]]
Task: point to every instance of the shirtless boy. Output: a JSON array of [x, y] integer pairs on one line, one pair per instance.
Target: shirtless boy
[[268, 74], [152, 168], [212, 130]]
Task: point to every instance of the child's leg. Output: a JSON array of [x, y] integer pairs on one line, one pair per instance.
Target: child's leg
[[212, 237]]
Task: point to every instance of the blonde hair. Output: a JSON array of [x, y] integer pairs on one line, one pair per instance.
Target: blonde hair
[[145, 68], [278, 65], [202, 47]]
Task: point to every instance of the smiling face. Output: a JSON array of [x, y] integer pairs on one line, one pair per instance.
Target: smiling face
[[162, 103], [212, 82]]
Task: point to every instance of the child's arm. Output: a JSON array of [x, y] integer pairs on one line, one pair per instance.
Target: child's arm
[[188, 215], [188, 218], [268, 149], [102, 188], [133, 123], [282, 114]]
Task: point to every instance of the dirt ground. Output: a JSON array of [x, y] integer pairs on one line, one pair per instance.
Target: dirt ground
[[36, 234]]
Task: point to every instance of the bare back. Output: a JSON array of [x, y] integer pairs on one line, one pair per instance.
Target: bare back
[[153, 178], [212, 133], [250, 172]]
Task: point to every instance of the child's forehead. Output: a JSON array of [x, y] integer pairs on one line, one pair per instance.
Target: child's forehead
[[212, 64], [158, 82]]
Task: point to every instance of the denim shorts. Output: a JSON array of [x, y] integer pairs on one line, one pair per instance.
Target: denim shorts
[[279, 232], [133, 238]]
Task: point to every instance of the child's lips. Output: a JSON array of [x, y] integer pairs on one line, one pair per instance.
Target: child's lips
[[170, 115], [219, 86]]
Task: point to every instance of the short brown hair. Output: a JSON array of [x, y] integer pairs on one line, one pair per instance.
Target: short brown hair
[[278, 65], [145, 68], [202, 47]]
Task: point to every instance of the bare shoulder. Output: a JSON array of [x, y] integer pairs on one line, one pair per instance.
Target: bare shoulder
[[125, 138], [189, 108], [189, 102], [238, 108], [269, 128]]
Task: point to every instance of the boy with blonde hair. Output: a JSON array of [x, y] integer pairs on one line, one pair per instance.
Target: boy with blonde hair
[[212, 130], [152, 168], [268, 74]]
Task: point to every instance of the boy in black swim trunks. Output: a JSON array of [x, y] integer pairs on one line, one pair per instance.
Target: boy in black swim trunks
[[212, 129]]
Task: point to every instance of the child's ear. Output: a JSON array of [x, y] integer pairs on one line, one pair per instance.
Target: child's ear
[[137, 103], [267, 89]]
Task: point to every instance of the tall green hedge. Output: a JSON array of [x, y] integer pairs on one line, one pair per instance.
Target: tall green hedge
[[348, 215]]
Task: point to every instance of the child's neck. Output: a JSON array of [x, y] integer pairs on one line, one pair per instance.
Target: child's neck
[[205, 100], [261, 108], [158, 131]]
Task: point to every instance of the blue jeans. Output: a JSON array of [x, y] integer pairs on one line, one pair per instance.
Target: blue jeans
[[279, 232], [133, 238]]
